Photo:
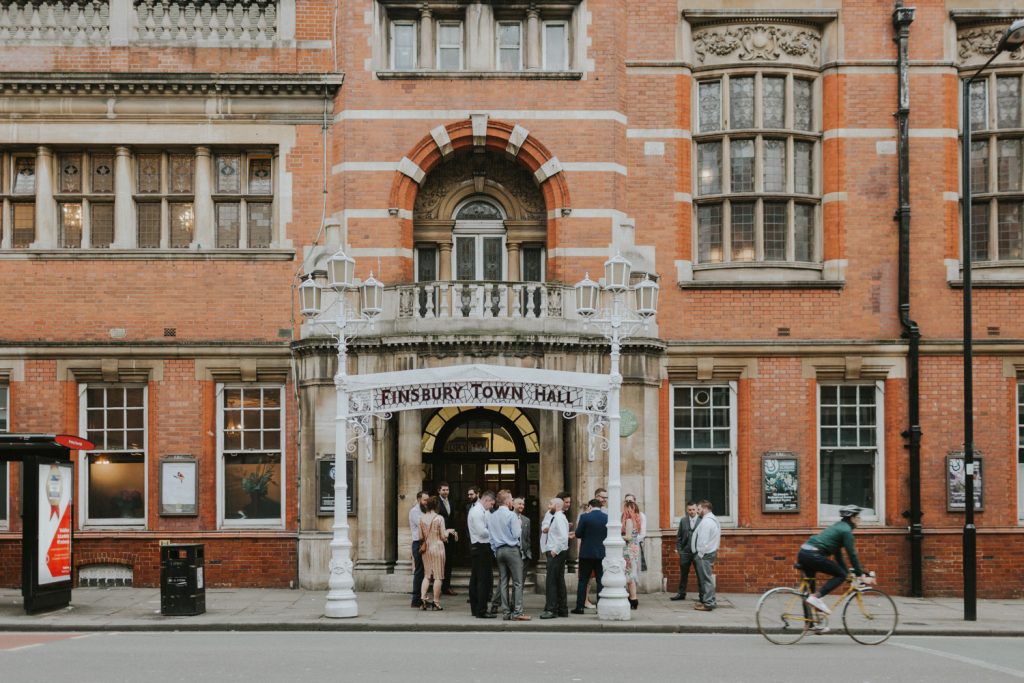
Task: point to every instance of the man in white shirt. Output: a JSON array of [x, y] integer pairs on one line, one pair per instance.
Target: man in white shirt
[[556, 549], [415, 512], [704, 544], [481, 575]]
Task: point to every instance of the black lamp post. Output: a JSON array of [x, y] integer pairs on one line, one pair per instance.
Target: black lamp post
[[1011, 40]]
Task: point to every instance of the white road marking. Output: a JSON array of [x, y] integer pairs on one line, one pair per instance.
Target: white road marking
[[24, 647], [960, 658]]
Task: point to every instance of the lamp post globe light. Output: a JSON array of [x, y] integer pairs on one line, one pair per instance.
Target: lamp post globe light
[[1011, 40], [616, 321], [341, 320]]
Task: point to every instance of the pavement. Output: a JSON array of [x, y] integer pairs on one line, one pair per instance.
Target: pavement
[[260, 609]]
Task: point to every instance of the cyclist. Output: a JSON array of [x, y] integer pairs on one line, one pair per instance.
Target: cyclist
[[816, 555]]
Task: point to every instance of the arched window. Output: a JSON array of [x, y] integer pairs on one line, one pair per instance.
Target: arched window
[[479, 210], [468, 429]]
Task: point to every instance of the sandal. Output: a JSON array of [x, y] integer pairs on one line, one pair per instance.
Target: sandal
[[425, 605], [436, 607]]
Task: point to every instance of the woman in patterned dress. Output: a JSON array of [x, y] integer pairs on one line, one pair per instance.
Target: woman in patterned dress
[[433, 535], [630, 534]]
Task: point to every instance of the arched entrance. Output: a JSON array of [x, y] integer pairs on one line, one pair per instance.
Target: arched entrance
[[493, 448]]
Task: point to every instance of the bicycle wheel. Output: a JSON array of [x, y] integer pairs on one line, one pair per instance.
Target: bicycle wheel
[[782, 617], [870, 616]]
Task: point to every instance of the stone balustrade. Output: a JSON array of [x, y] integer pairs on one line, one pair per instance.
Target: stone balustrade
[[481, 300], [241, 21], [174, 23], [74, 21]]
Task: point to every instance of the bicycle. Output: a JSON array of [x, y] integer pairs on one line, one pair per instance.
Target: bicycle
[[869, 614]]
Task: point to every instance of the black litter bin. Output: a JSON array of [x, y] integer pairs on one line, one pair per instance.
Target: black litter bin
[[182, 588]]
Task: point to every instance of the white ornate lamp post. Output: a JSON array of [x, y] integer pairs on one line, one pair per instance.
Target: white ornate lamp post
[[341, 324], [616, 322]]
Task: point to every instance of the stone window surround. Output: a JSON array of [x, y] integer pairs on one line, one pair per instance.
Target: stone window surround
[[977, 31], [795, 57], [47, 223], [5, 498], [479, 48]]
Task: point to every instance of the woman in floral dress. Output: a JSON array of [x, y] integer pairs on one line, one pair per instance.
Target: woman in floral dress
[[630, 534], [433, 535]]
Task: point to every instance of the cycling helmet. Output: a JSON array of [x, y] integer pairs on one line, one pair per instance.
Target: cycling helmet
[[848, 511]]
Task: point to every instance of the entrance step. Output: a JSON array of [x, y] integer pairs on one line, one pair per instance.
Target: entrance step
[[460, 578]]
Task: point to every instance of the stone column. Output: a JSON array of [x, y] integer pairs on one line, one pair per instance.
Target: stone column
[[444, 257], [410, 480], [125, 234], [204, 235], [46, 209], [426, 47], [532, 41], [513, 273], [552, 477]]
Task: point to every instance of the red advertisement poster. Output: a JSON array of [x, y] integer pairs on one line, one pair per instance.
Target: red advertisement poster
[[55, 483]]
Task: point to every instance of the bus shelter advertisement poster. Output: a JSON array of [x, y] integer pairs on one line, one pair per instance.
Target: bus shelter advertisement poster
[[54, 559]]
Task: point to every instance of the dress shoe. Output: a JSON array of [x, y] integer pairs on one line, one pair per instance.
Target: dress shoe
[[633, 604], [548, 615], [416, 604], [486, 615], [579, 610], [449, 591], [702, 608], [678, 596], [522, 617], [563, 614]]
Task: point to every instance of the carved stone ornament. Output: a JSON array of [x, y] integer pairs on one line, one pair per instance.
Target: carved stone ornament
[[461, 170], [757, 42], [978, 44]]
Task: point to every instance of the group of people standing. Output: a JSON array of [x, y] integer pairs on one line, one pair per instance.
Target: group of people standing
[[697, 542], [500, 533]]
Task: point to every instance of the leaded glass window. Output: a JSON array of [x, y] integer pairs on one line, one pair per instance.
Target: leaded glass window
[[997, 170], [243, 193], [778, 167], [84, 193]]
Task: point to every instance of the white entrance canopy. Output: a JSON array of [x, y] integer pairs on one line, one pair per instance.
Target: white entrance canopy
[[572, 393]]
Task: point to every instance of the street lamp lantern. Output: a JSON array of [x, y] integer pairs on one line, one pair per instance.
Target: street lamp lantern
[[616, 321], [371, 296], [1013, 38], [310, 297], [616, 274], [341, 271], [588, 296], [646, 297], [341, 319]]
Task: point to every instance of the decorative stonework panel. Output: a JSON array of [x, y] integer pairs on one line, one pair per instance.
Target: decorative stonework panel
[[78, 21], [977, 44], [757, 42], [463, 170], [234, 23]]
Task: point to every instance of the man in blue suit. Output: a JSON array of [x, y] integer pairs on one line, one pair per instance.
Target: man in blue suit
[[591, 531]]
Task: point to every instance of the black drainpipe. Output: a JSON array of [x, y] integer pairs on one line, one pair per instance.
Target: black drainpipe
[[902, 17]]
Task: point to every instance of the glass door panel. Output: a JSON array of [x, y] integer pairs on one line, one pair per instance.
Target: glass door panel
[[465, 258], [493, 255]]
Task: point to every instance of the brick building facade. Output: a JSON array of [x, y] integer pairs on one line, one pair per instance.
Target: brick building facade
[[170, 172]]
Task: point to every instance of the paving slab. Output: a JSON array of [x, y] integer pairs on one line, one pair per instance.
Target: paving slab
[[138, 609]]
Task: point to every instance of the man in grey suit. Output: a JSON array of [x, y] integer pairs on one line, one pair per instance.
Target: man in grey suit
[[687, 524]]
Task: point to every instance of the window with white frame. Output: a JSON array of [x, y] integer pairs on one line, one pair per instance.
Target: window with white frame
[[85, 199], [4, 467], [849, 452], [555, 46], [449, 46], [756, 194], [1020, 451], [165, 199], [250, 437], [704, 448], [997, 173], [509, 55], [114, 481], [243, 196], [403, 45]]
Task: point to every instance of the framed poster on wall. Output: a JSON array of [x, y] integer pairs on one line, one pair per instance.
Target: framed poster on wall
[[780, 482], [179, 486], [956, 482], [325, 485]]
